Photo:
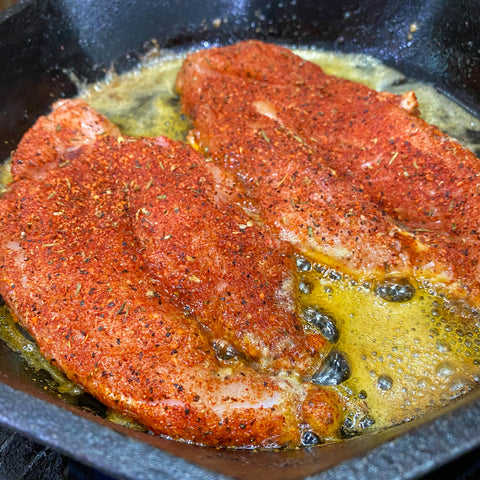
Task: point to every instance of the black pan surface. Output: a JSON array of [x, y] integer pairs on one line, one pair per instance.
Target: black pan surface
[[42, 43]]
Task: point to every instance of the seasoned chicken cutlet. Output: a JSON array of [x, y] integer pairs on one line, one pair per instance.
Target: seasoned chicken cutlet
[[127, 263], [388, 186]]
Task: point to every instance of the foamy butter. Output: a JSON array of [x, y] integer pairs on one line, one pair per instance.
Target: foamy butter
[[404, 357]]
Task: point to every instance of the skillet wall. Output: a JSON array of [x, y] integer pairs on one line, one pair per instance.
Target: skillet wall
[[42, 39]]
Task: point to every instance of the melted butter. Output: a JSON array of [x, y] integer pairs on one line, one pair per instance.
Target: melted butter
[[405, 358], [26, 348], [356, 67], [143, 102], [5, 175]]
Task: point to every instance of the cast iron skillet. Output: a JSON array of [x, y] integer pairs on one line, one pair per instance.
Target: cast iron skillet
[[43, 42]]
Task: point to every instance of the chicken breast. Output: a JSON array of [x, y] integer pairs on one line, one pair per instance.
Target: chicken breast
[[137, 278], [337, 167]]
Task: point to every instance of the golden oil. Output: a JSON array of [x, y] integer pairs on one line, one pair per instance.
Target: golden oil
[[406, 357]]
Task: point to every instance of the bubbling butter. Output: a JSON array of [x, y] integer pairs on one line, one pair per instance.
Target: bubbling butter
[[406, 357]]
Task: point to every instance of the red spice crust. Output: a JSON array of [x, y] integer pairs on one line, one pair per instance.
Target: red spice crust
[[110, 259], [275, 120]]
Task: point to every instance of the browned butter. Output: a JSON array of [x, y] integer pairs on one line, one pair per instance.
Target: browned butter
[[405, 358]]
